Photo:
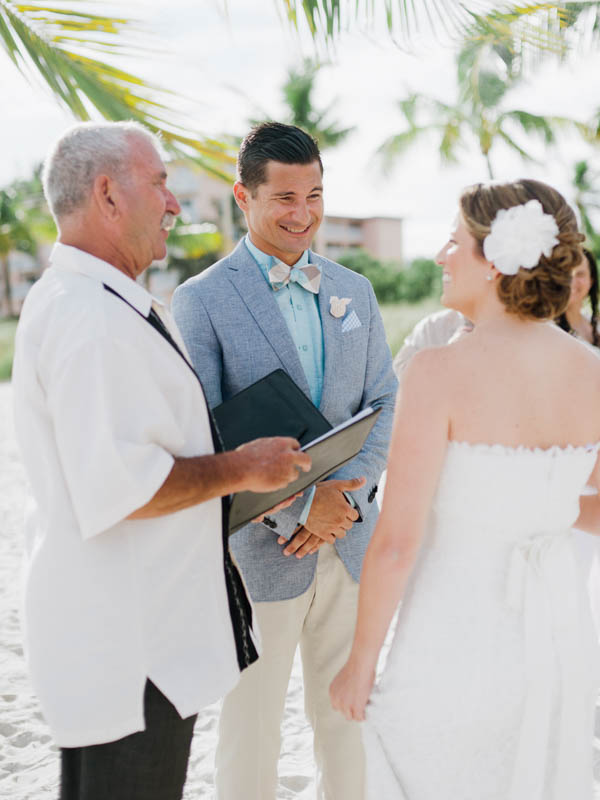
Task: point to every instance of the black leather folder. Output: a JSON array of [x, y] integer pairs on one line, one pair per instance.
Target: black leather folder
[[273, 406], [276, 406]]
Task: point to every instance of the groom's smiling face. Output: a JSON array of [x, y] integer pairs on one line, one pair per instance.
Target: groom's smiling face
[[285, 211]]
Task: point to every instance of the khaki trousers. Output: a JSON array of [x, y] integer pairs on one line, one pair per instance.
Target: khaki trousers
[[322, 620]]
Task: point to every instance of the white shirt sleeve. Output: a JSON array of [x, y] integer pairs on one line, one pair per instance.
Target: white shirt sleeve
[[111, 421], [434, 330]]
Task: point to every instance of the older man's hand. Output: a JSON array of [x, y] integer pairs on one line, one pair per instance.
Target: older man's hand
[[271, 464]]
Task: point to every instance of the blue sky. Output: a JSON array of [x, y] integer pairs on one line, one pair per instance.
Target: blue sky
[[235, 64]]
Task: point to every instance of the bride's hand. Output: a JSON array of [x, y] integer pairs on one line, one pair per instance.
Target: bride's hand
[[349, 692]]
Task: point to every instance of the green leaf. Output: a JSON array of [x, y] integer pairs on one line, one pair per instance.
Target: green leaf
[[514, 146], [491, 89], [540, 24], [533, 123], [450, 142], [57, 44]]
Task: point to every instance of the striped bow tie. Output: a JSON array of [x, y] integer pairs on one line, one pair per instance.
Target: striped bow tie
[[309, 276]]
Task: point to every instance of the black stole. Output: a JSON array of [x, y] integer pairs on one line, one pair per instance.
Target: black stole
[[240, 609]]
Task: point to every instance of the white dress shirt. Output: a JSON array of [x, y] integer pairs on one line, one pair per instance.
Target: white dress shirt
[[103, 403]]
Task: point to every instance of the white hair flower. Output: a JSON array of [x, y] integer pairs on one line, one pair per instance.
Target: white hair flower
[[518, 236]]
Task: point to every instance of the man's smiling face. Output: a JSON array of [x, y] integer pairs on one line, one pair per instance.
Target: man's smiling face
[[284, 212]]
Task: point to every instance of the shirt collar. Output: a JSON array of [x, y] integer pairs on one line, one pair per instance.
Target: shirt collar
[[265, 261], [73, 259]]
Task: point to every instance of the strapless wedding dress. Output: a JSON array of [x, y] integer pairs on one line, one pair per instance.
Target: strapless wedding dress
[[489, 688]]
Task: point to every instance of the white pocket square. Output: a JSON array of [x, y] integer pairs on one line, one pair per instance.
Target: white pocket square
[[351, 322]]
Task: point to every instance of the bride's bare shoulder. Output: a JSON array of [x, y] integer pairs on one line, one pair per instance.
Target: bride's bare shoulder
[[430, 367], [577, 352]]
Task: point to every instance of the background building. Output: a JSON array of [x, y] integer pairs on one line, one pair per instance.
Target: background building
[[207, 203], [381, 237]]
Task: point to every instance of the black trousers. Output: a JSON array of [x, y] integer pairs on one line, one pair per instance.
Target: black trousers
[[148, 765]]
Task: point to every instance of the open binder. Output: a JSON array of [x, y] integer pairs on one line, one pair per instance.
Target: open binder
[[276, 406]]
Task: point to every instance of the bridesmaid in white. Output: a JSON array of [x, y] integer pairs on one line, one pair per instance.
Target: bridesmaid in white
[[489, 687]]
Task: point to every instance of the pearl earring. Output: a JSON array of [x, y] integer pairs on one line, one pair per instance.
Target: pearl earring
[[489, 277]]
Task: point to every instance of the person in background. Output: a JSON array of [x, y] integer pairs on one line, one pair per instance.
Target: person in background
[[584, 287], [434, 330]]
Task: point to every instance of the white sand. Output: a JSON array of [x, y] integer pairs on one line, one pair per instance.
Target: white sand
[[28, 758]]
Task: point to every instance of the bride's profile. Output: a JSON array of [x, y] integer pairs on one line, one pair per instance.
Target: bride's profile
[[489, 688]]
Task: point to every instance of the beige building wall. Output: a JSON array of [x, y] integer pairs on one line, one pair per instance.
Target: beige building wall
[[381, 237], [204, 198]]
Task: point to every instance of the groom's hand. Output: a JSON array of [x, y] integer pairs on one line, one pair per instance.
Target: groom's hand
[[331, 513], [303, 543]]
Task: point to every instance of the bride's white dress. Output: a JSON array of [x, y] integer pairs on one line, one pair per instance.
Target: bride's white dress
[[489, 687]]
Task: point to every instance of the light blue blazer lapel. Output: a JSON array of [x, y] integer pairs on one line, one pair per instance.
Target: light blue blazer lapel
[[333, 342], [247, 279]]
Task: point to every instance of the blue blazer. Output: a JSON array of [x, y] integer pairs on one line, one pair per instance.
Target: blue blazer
[[235, 334]]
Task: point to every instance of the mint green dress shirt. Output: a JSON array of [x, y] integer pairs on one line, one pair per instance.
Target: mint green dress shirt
[[300, 310]]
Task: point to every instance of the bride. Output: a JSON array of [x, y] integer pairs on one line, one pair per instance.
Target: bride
[[489, 687]]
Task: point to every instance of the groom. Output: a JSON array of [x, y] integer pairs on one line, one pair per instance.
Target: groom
[[274, 303]]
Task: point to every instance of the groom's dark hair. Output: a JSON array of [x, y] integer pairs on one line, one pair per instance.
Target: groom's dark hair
[[273, 141]]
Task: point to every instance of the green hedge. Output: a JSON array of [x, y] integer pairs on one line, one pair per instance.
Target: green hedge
[[422, 278], [400, 318], [7, 347]]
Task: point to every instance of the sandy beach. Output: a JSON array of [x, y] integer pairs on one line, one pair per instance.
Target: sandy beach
[[28, 758]]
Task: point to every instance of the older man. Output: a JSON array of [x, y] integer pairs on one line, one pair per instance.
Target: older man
[[135, 615]]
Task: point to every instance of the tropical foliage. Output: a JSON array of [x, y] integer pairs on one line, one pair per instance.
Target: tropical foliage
[[193, 247], [24, 222], [78, 54], [587, 199], [14, 235], [7, 347], [298, 96], [488, 70], [393, 284], [538, 25]]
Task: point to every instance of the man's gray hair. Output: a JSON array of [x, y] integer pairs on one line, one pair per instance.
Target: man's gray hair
[[81, 154]]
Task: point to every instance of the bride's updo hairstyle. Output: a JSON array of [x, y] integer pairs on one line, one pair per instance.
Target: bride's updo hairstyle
[[543, 291]]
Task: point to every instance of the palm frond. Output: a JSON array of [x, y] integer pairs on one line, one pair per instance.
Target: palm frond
[[546, 126], [515, 146], [538, 25], [57, 45], [399, 143], [326, 18], [450, 142], [533, 123]]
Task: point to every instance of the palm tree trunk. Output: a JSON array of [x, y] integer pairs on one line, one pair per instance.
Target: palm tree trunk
[[5, 268]]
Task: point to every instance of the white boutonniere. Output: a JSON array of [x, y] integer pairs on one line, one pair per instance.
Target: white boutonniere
[[337, 306]]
